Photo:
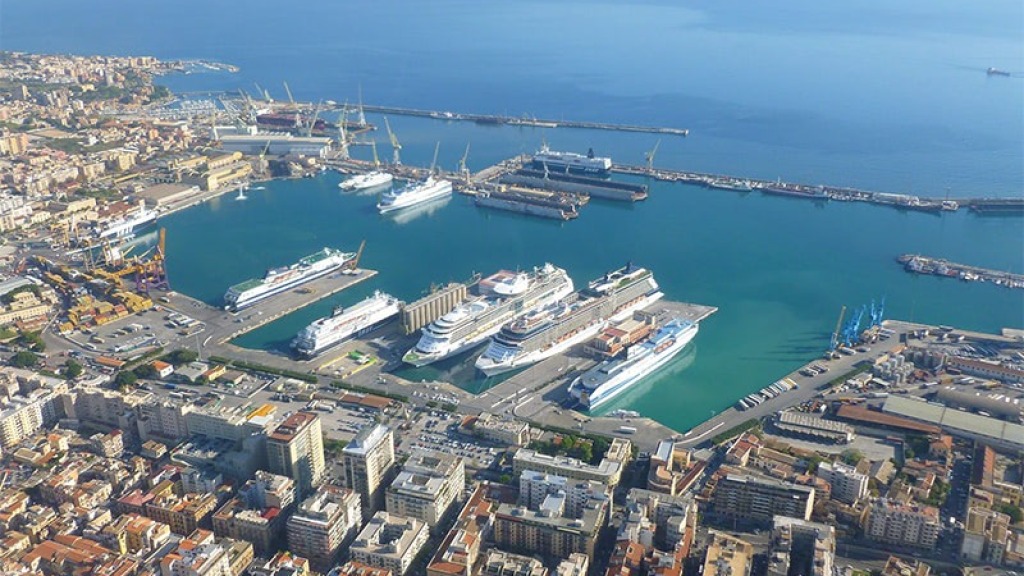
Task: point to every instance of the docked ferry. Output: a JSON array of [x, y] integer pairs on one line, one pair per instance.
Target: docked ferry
[[564, 324], [346, 323], [368, 181], [615, 375], [497, 299], [545, 158], [277, 280], [414, 193]]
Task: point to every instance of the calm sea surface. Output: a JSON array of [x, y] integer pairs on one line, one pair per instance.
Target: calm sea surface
[[880, 96]]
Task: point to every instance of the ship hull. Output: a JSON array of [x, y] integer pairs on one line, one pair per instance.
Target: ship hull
[[491, 367], [307, 353], [631, 375], [243, 304], [441, 191]]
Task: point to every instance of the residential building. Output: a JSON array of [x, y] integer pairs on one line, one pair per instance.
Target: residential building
[[368, 464], [896, 566], [296, 449], [574, 565], [389, 541], [535, 487], [986, 534], [460, 549], [547, 530], [200, 554], [501, 563], [427, 487], [508, 431], [727, 556], [801, 547], [847, 484], [353, 568], [608, 472], [758, 499], [324, 525], [184, 514], [282, 564], [257, 515], [899, 524]]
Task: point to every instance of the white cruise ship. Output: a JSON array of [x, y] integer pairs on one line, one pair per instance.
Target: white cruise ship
[[612, 377], [346, 323], [278, 280], [499, 298], [414, 193], [128, 224], [545, 158], [368, 181], [576, 319]]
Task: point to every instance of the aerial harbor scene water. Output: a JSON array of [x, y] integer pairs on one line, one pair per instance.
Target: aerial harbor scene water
[[686, 230]]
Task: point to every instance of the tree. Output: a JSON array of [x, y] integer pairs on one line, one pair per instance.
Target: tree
[[1016, 514], [851, 456], [182, 356], [145, 371], [125, 379], [505, 479], [24, 359], [33, 341], [72, 369]]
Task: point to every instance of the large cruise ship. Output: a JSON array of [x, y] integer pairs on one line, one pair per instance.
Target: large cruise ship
[[414, 193], [564, 324], [278, 280], [614, 376], [370, 180], [571, 161], [345, 323], [497, 299]]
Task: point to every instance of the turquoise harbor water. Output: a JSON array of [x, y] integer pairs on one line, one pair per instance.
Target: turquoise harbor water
[[879, 96]]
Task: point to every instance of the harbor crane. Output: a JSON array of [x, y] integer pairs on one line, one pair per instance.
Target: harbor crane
[[649, 156], [263, 93], [396, 146], [463, 169], [152, 273], [373, 147], [877, 313], [354, 263], [295, 107], [312, 121], [835, 334], [433, 163], [342, 135], [361, 118], [851, 331]]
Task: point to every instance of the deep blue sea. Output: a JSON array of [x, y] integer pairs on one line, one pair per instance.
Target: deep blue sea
[[878, 95]]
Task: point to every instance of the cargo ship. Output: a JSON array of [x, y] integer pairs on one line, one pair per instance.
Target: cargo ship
[[564, 324], [498, 299], [571, 161], [414, 193], [278, 280], [614, 376], [589, 186], [729, 184], [375, 179], [346, 323]]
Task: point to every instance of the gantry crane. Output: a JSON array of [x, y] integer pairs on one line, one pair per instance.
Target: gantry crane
[[152, 273], [396, 146]]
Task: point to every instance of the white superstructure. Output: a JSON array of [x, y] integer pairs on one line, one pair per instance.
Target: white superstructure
[[502, 297], [346, 323], [375, 179], [280, 279], [414, 193]]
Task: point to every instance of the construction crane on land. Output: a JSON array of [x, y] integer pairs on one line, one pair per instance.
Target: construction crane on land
[[396, 146], [463, 169], [649, 156], [835, 333]]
